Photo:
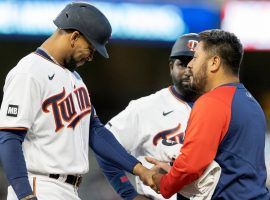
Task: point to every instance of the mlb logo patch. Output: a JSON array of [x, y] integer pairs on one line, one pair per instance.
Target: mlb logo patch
[[12, 110]]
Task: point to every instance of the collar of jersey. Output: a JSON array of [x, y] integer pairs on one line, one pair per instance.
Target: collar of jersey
[[42, 53], [178, 96], [235, 84]]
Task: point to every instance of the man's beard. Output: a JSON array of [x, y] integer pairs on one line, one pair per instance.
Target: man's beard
[[71, 64], [187, 91], [200, 79]]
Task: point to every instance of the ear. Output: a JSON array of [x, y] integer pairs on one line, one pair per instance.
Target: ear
[[214, 63], [171, 66], [74, 37]]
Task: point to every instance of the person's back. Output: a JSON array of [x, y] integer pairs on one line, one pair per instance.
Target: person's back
[[243, 172]]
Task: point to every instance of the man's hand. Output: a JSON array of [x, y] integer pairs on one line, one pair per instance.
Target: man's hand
[[156, 179], [162, 166], [141, 197], [145, 175]]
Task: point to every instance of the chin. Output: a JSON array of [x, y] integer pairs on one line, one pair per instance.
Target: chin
[[186, 84]]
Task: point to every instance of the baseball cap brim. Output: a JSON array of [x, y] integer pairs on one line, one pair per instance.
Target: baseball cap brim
[[182, 53], [100, 48]]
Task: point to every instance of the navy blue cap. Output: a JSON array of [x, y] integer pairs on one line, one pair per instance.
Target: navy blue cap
[[88, 20]]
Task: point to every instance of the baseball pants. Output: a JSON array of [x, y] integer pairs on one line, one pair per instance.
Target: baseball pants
[[48, 188]]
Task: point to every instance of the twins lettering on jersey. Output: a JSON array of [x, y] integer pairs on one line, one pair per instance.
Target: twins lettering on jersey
[[173, 134], [63, 107]]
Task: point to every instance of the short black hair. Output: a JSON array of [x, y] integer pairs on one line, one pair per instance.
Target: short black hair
[[224, 44]]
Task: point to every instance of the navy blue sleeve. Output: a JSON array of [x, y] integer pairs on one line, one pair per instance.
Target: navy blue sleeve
[[12, 158], [117, 179], [104, 144]]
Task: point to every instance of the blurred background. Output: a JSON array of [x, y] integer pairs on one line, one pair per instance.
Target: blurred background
[[143, 33]]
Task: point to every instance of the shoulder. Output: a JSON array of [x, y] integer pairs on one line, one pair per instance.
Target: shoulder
[[150, 100], [28, 65], [77, 75], [217, 101], [30, 68], [222, 95], [22, 68]]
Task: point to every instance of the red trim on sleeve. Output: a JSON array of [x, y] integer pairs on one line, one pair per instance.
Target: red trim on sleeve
[[208, 124], [124, 179]]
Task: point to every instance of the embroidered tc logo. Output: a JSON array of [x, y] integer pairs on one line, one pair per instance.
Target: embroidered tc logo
[[192, 44]]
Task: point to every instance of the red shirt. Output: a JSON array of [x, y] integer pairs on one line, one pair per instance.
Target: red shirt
[[207, 126]]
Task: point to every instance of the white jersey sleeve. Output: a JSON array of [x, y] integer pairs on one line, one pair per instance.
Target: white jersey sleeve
[[125, 127], [21, 101]]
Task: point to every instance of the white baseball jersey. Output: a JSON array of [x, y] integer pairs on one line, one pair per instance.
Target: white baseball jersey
[[53, 105], [146, 127]]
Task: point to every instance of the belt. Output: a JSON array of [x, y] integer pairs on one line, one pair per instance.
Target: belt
[[73, 180]]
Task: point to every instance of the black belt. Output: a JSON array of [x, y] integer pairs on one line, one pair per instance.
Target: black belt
[[73, 180]]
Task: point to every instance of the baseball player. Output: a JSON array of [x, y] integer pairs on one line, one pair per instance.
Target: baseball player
[[152, 125], [226, 124], [47, 120]]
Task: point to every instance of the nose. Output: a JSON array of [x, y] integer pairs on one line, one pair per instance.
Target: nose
[[189, 65], [91, 55]]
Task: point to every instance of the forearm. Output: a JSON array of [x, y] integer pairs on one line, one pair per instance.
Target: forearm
[[13, 162], [188, 167], [117, 179], [190, 164], [106, 146], [205, 131]]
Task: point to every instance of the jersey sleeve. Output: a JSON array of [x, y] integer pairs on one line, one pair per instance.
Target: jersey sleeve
[[208, 124], [13, 162], [117, 178], [125, 126], [21, 102]]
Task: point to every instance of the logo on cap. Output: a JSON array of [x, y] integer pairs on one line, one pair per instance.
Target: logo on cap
[[191, 44]]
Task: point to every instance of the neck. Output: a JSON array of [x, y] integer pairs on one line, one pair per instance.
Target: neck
[[177, 90], [221, 81], [54, 48]]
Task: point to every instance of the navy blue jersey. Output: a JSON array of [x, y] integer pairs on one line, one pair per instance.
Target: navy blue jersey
[[241, 153]]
